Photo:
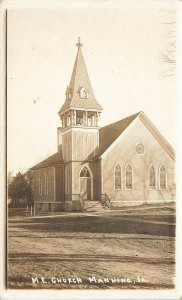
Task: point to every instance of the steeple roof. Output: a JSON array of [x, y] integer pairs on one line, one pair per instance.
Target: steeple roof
[[79, 80]]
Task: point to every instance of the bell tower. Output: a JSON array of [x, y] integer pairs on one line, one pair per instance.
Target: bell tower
[[79, 133]]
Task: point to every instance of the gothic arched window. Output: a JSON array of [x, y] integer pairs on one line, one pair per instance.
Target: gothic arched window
[[128, 177], [162, 177], [117, 177], [85, 172], [152, 178]]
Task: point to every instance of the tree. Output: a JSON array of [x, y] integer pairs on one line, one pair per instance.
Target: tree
[[168, 56], [20, 188]]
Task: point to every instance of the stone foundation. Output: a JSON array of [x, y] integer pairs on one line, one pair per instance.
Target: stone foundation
[[48, 207], [73, 206], [120, 204]]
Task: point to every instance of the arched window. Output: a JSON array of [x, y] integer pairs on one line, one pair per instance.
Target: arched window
[[162, 177], [152, 178], [67, 180], [46, 183], [85, 172], [128, 176], [117, 177]]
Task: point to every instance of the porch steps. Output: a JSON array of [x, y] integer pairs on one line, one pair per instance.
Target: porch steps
[[94, 206]]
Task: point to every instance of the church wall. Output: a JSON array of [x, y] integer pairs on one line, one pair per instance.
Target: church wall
[[124, 152], [79, 144], [96, 170], [67, 146], [44, 197], [85, 143], [60, 185]]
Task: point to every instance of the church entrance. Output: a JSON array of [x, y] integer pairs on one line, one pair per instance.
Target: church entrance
[[85, 184]]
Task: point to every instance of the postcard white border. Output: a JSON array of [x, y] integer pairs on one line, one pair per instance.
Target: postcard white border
[[86, 294]]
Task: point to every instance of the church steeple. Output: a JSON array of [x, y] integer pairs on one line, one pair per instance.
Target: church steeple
[[79, 133], [79, 93]]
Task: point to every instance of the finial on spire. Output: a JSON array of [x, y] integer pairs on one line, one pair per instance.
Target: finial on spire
[[79, 44]]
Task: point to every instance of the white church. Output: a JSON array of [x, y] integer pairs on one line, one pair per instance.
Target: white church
[[124, 163]]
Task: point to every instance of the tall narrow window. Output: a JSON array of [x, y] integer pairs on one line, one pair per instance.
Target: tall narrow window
[[46, 183], [67, 180], [152, 178], [40, 184], [162, 177], [117, 177], [128, 174]]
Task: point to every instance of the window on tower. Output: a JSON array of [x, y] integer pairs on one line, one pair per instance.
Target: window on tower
[[83, 93]]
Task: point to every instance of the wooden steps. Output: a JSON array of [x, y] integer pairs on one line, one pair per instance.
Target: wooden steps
[[94, 206]]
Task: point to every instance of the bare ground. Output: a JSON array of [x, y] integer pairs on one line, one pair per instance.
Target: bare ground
[[129, 244]]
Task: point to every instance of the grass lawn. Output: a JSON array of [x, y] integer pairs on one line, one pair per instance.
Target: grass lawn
[[132, 249]]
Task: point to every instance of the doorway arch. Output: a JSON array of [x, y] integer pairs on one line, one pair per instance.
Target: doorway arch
[[86, 183]]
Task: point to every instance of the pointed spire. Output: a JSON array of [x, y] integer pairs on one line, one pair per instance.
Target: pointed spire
[[79, 44], [80, 80]]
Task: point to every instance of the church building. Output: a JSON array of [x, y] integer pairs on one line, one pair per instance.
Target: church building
[[124, 163]]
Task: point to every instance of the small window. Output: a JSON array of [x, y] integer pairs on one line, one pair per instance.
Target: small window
[[162, 177], [85, 172], [83, 93], [117, 177], [128, 174], [46, 184], [40, 185], [152, 178]]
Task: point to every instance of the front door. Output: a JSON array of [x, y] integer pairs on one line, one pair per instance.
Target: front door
[[85, 188], [85, 184]]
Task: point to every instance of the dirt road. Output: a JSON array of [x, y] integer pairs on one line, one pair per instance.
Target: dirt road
[[93, 251]]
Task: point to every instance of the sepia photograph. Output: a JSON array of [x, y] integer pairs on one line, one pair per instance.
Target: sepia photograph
[[91, 117]]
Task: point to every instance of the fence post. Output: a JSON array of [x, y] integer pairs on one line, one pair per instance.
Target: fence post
[[27, 211], [34, 209], [31, 210]]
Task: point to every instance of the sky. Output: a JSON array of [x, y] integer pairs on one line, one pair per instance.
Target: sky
[[122, 46]]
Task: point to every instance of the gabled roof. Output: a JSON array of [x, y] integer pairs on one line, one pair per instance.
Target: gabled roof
[[78, 80], [52, 160], [108, 134], [156, 134]]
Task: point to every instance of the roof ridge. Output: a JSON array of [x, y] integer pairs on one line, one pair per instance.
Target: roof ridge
[[55, 158], [73, 80], [136, 114]]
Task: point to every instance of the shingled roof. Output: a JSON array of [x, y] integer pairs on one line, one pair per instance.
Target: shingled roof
[[80, 79], [108, 134], [52, 160]]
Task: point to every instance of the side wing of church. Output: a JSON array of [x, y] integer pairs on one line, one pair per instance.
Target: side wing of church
[[125, 163]]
